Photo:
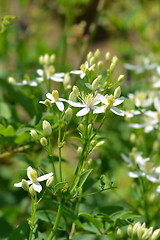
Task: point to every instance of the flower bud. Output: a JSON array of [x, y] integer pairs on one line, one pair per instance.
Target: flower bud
[[52, 58], [47, 129], [120, 78], [72, 96], [55, 95], [48, 103], [99, 143], [51, 70], [113, 64], [31, 191], [80, 127], [147, 234], [89, 128], [11, 80], [41, 60], [108, 56], [90, 54], [117, 92], [100, 65], [33, 175], [46, 59], [97, 54], [135, 228], [93, 143], [75, 90], [79, 151], [67, 82], [68, 114], [155, 234], [129, 230], [34, 134], [96, 83], [25, 185], [92, 60], [43, 141], [50, 181], [119, 233]]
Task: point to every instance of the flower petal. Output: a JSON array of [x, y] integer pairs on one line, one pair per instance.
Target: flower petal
[[29, 169], [40, 72], [56, 79], [99, 110], [125, 158], [37, 187], [20, 183], [134, 174], [44, 177], [59, 75], [152, 178], [118, 101], [60, 106], [117, 111], [50, 97], [83, 112], [76, 72], [76, 104]]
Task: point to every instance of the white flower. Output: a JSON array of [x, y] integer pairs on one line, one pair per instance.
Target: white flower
[[131, 113], [59, 102], [110, 102], [56, 77], [151, 121], [80, 72], [141, 99], [146, 65], [88, 102], [32, 175], [134, 160]]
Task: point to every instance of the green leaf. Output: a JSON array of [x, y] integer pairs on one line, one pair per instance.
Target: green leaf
[[7, 132], [124, 214], [84, 177], [96, 222], [21, 232]]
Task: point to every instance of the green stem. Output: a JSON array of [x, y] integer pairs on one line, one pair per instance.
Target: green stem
[[50, 152], [54, 229], [145, 202], [90, 194], [59, 149], [33, 215]]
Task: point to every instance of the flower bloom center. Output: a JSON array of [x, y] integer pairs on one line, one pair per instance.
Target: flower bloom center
[[110, 100], [33, 175]]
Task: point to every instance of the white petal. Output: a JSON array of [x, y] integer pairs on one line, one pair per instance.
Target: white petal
[[89, 86], [125, 158], [102, 98], [158, 70], [43, 102], [147, 102], [152, 178], [157, 170], [134, 174], [136, 125], [39, 79], [158, 190], [156, 84], [59, 75], [91, 67], [76, 104], [118, 101], [50, 97], [56, 79], [37, 187], [86, 64], [148, 129], [44, 177], [151, 114], [40, 72], [60, 106], [82, 75], [117, 111], [99, 110], [157, 104], [76, 72], [83, 112], [33, 84], [20, 183], [29, 169]]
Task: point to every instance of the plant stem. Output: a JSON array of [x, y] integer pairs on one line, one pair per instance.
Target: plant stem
[[33, 215], [59, 149], [52, 158], [54, 229]]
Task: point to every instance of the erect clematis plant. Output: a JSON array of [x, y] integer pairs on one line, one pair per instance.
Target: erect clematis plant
[[34, 180]]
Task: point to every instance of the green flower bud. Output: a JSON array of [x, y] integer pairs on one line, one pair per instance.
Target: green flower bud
[[92, 60], [55, 95], [46, 59], [76, 90], [68, 114], [25, 185], [100, 65], [97, 54], [99, 143], [108, 56], [43, 141], [147, 233], [72, 96], [67, 81], [50, 181], [48, 103], [135, 228], [129, 230], [47, 129], [155, 234], [79, 151], [93, 143], [120, 78], [81, 127], [11, 80], [51, 70], [31, 191], [34, 134], [52, 58], [117, 92], [119, 233], [96, 83], [33, 175], [90, 54], [89, 128], [41, 60]]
